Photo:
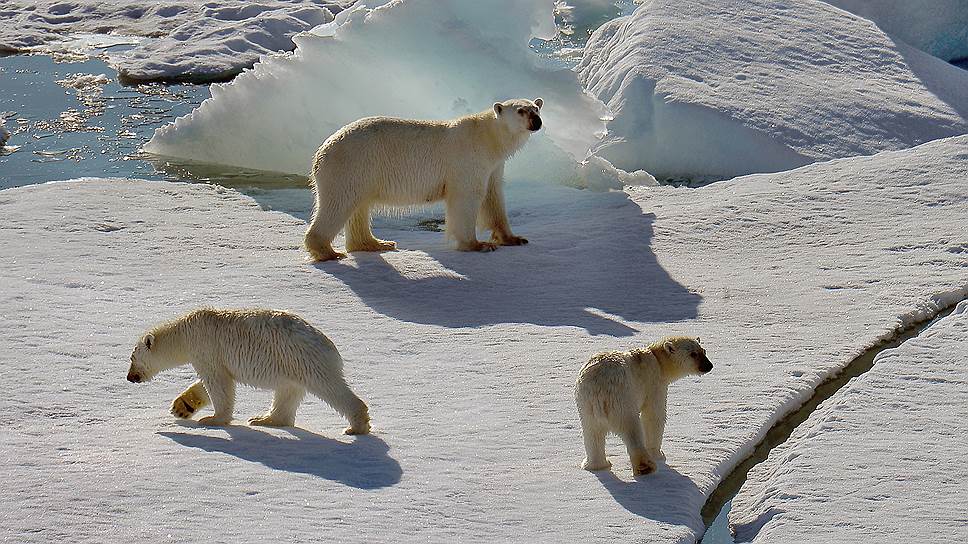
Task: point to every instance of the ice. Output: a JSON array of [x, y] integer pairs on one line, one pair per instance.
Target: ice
[[428, 59], [939, 27], [882, 460], [717, 89], [467, 360], [173, 40]]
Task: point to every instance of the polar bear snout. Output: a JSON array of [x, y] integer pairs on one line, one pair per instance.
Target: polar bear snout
[[134, 377], [703, 364], [534, 122]]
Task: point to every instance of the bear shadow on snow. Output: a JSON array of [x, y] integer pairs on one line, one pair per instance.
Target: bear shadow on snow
[[363, 463], [651, 496], [588, 266]]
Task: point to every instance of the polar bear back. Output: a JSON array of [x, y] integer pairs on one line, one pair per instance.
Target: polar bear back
[[263, 348]]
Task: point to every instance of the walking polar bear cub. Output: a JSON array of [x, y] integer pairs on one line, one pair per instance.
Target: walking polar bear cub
[[263, 348], [386, 162], [624, 392]]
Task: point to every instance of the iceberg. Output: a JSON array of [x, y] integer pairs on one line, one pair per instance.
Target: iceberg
[[427, 59]]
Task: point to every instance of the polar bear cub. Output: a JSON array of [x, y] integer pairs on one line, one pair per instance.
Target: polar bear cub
[[624, 392], [387, 162], [268, 349]]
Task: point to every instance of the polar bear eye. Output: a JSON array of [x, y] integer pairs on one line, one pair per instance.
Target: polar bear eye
[[520, 111]]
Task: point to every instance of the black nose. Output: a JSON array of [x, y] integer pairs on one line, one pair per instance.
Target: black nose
[[134, 378], [534, 123], [705, 366]]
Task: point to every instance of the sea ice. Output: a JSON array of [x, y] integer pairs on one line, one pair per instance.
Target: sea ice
[[172, 40], [708, 88], [467, 360], [882, 460]]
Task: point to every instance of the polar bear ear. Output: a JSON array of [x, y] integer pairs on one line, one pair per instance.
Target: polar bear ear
[[538, 102], [669, 346], [148, 340], [498, 108], [697, 340]]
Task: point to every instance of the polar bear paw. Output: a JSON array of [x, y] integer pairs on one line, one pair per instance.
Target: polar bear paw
[[642, 465], [509, 240], [214, 421], [590, 466], [269, 421], [372, 245], [187, 404], [476, 245]]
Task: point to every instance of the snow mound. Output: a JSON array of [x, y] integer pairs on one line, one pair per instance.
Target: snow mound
[[427, 59], [938, 27], [468, 361], [881, 460], [186, 40], [707, 88]]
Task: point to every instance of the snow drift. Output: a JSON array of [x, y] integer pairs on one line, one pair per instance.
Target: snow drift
[[726, 88], [427, 59], [883, 460]]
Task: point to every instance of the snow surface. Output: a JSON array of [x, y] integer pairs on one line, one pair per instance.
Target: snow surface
[[174, 40], [425, 59], [939, 27], [881, 461], [467, 360], [711, 88]]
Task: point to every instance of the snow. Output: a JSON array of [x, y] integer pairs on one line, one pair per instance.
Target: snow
[[939, 27], [881, 461], [467, 360], [173, 40], [444, 59], [714, 89]]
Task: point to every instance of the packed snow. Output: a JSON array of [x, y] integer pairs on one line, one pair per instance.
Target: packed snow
[[716, 89], [436, 59], [173, 40], [467, 360], [881, 461], [938, 27]]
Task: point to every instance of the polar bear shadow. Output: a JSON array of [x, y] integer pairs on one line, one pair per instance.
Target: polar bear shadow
[[363, 463], [658, 496], [592, 267]]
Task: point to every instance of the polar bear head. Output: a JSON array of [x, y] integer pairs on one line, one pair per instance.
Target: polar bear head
[[520, 114], [145, 360], [683, 356]]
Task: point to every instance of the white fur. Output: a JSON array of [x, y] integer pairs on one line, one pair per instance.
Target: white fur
[[384, 161], [624, 392], [263, 348]]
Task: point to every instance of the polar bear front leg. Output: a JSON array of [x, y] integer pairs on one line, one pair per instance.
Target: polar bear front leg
[[359, 235], [190, 401], [221, 389], [493, 214], [463, 204], [630, 430], [653, 422]]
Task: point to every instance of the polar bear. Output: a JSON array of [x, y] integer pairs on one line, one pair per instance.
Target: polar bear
[[268, 349], [624, 392], [387, 162]]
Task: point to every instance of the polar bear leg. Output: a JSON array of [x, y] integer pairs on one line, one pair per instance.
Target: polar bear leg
[[359, 236], [494, 216], [653, 422], [329, 216], [343, 400], [221, 389], [285, 401], [190, 401], [594, 434], [629, 428], [462, 205]]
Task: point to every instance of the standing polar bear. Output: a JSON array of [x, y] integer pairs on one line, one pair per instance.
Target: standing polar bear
[[386, 162], [624, 392], [263, 348]]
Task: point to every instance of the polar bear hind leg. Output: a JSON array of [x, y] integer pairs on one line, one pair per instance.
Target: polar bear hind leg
[[285, 401], [343, 400], [359, 236]]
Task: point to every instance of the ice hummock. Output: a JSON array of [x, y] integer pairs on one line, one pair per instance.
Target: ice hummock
[[711, 88], [428, 59]]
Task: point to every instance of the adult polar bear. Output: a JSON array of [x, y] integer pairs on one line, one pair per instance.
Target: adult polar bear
[[384, 161]]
